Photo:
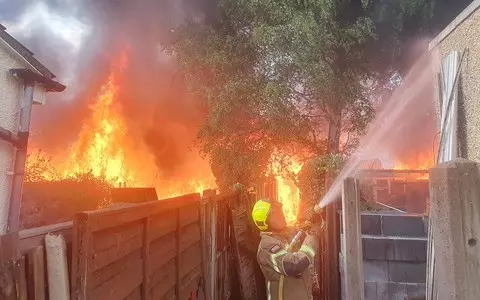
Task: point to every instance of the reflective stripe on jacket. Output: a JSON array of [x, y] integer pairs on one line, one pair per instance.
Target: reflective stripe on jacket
[[275, 261]]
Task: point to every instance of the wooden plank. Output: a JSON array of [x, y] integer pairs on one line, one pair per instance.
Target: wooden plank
[[31, 238], [19, 273], [353, 258], [226, 196], [203, 246], [135, 295], [333, 232], [167, 268], [58, 284], [81, 251], [121, 285], [104, 258], [191, 284], [189, 259], [112, 217], [189, 214], [190, 235], [213, 247], [43, 230], [162, 224], [455, 200], [162, 250], [245, 262], [36, 265], [178, 259], [194, 274], [163, 280], [169, 295], [103, 275], [146, 261], [111, 238]]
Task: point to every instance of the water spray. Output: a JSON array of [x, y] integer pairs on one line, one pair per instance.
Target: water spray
[[380, 129]]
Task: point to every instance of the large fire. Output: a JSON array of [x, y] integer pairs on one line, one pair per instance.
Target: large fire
[[287, 191], [105, 148], [99, 146]]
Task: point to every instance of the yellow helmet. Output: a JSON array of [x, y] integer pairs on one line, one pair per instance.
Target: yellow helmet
[[268, 215], [260, 213]]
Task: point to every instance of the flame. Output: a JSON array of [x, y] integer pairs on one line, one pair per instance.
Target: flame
[[423, 161], [287, 191], [98, 148], [105, 149]]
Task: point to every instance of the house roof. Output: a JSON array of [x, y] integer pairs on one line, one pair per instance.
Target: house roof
[[454, 24], [25, 53]]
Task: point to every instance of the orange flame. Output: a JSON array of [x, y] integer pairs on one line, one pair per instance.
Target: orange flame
[[105, 149], [97, 148], [287, 191], [423, 161]]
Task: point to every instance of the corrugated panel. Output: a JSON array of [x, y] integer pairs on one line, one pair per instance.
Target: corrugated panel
[[448, 145], [449, 124]]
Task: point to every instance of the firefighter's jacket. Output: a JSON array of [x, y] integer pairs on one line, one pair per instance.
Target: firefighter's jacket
[[275, 261]]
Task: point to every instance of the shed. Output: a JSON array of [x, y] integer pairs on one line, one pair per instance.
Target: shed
[[23, 81]]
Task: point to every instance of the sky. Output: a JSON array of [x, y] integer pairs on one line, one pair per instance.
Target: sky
[[33, 22]]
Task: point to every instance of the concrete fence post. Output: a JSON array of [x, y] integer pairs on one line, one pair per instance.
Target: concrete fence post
[[352, 240], [455, 200], [57, 267]]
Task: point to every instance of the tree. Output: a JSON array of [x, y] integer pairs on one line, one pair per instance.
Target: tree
[[294, 75], [39, 168], [274, 74]]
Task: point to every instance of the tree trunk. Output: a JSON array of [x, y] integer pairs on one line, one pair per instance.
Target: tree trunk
[[334, 129]]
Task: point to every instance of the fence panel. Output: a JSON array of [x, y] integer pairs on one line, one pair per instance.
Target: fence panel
[[165, 249], [145, 251], [245, 240], [221, 232]]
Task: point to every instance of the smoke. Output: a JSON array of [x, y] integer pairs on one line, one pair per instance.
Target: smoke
[[77, 40], [404, 128], [413, 137]]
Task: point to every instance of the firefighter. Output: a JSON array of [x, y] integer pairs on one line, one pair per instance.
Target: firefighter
[[286, 272]]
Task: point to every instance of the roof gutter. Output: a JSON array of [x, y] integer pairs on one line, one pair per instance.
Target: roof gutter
[[30, 76]]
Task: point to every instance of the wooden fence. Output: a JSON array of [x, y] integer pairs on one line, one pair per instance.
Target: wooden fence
[[187, 247], [352, 258], [146, 251], [23, 262], [180, 248]]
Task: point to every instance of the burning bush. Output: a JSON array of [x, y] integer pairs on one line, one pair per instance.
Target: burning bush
[[48, 198]]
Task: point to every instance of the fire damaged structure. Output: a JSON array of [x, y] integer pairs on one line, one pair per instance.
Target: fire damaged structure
[[24, 81], [404, 191]]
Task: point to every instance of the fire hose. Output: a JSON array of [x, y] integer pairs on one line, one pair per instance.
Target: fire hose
[[297, 243]]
